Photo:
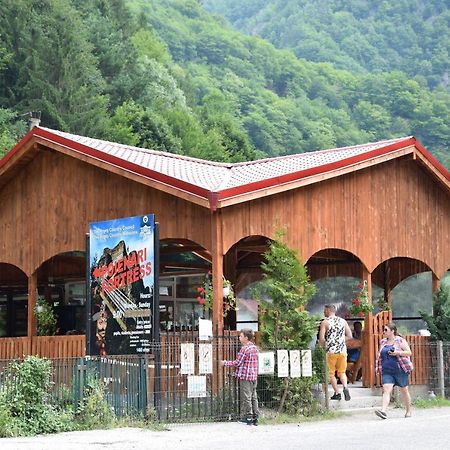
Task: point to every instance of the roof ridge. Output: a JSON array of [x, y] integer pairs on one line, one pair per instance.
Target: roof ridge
[[141, 149], [223, 164], [316, 152]]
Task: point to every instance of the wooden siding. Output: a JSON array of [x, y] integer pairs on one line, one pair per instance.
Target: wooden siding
[[63, 195], [395, 209]]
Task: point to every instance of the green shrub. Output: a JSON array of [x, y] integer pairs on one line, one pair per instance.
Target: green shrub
[[94, 411], [26, 407], [319, 363]]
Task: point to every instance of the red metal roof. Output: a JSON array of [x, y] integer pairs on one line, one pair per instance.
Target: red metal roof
[[219, 181]]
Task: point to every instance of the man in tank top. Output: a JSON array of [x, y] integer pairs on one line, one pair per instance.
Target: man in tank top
[[334, 331]]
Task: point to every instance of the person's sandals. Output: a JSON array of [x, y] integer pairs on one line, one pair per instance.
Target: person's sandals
[[336, 396], [381, 414], [408, 414]]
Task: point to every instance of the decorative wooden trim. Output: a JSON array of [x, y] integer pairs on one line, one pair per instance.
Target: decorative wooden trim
[[432, 168]]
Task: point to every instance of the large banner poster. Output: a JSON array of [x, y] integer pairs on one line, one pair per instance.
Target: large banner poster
[[122, 285]]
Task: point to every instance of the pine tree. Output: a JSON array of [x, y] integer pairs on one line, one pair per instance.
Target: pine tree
[[286, 290]]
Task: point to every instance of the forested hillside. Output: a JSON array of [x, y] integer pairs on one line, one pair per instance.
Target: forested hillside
[[166, 74], [412, 36]]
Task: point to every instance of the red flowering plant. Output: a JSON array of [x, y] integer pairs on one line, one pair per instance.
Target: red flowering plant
[[205, 295], [360, 304]]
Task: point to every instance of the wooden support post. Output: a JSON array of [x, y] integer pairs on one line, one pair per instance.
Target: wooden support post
[[32, 299], [217, 272], [368, 348], [387, 284]]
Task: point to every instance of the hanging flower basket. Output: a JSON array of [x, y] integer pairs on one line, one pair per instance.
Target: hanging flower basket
[[206, 297], [360, 304]]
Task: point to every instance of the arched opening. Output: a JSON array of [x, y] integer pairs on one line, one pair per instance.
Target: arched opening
[[406, 286], [336, 274], [61, 281], [183, 267], [242, 266], [13, 301]]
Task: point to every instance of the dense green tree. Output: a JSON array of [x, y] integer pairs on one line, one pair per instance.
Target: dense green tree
[[438, 323], [53, 69], [12, 128]]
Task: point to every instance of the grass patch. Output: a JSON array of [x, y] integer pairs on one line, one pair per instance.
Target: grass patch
[[132, 422], [424, 403], [277, 419]]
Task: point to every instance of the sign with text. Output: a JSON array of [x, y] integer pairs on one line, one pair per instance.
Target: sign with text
[[121, 268], [196, 386]]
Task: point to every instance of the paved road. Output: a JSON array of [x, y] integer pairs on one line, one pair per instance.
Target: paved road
[[427, 429]]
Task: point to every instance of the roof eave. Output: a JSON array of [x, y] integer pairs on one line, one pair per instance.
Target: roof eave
[[276, 185], [157, 180]]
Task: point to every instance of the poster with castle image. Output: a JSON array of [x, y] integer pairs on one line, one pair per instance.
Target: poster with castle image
[[121, 266]]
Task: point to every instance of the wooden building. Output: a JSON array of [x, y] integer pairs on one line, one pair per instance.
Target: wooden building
[[378, 212]]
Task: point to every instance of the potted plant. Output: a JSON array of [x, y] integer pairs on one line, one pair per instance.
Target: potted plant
[[45, 317]]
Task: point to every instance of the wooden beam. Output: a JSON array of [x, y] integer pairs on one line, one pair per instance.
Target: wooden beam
[[32, 299], [252, 248]]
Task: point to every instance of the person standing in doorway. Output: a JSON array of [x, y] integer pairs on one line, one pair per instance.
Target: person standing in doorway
[[333, 333], [246, 365], [394, 364]]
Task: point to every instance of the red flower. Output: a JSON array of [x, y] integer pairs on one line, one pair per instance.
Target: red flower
[[201, 301], [361, 314]]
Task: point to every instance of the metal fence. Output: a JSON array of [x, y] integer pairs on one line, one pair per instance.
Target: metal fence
[[432, 365], [183, 380]]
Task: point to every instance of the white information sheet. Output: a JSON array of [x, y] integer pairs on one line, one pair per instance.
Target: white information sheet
[[196, 386], [187, 359], [294, 359], [205, 360], [306, 363], [283, 363], [266, 363], [205, 329]]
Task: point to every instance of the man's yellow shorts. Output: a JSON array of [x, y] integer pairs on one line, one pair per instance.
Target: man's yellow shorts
[[337, 362]]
